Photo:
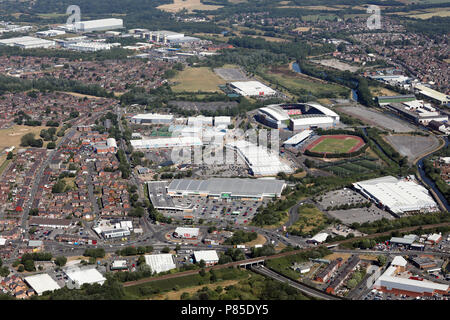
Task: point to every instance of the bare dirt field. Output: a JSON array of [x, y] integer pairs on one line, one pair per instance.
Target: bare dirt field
[[190, 5], [11, 136], [378, 119], [197, 79], [336, 64], [412, 146]]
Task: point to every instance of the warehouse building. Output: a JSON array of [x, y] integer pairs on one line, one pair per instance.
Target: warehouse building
[[89, 46], [50, 33], [251, 88], [418, 111], [160, 262], [50, 223], [431, 94], [297, 116], [98, 25], [394, 281], [384, 100], [119, 265], [227, 188], [27, 42], [41, 283], [152, 118], [166, 142], [399, 196], [200, 121], [186, 233], [222, 121], [210, 257], [260, 160], [84, 275]]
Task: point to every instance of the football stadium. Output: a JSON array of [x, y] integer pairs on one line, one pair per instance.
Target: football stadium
[[297, 116], [336, 144]]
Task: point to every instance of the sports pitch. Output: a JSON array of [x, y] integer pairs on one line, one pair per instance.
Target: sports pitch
[[336, 144]]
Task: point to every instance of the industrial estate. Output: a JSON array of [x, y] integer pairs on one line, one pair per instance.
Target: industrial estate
[[224, 150]]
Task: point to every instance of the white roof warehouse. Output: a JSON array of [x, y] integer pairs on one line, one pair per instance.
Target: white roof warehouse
[[41, 283], [398, 195]]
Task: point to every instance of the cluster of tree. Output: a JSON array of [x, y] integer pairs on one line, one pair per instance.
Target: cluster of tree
[[124, 166], [60, 186], [155, 215], [273, 213], [230, 255], [28, 140], [384, 224], [49, 84], [27, 260], [265, 250], [48, 134], [4, 270], [110, 290], [434, 173], [389, 151], [132, 251], [94, 253], [241, 236]]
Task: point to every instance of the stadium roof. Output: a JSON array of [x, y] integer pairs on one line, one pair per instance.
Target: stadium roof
[[206, 255], [299, 137], [399, 195], [41, 283], [160, 262], [82, 276], [323, 109], [276, 112], [233, 186]]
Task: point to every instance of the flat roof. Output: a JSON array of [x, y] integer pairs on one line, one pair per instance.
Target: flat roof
[[187, 231], [82, 276], [299, 137], [41, 283], [233, 186], [153, 116], [206, 255], [160, 262], [398, 195]]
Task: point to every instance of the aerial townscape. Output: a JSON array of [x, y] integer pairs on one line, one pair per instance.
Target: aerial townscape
[[224, 150]]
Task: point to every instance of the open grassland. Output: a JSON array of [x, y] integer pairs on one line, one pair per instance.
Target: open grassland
[[197, 79], [176, 295], [297, 82], [158, 287], [189, 5], [380, 91], [11, 136], [309, 218], [335, 145]]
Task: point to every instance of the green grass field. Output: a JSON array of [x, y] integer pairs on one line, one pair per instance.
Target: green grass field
[[334, 145], [197, 79], [300, 84]]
